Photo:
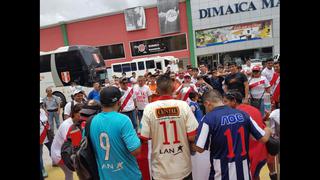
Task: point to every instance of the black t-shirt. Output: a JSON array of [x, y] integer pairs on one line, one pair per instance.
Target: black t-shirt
[[216, 83], [235, 81]]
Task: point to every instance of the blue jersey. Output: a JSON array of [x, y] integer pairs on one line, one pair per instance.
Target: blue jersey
[[197, 112], [94, 95], [226, 131], [113, 138]]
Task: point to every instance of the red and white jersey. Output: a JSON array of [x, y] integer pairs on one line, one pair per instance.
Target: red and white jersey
[[184, 90], [268, 73], [257, 86], [275, 87], [168, 123], [43, 120], [142, 94], [59, 139], [130, 104]]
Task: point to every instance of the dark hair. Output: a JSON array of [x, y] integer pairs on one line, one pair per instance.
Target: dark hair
[[234, 95], [192, 95], [189, 67], [232, 63], [164, 84], [195, 69], [76, 109], [277, 62], [212, 96], [270, 59]]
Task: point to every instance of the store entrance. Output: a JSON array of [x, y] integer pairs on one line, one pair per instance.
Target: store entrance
[[210, 60], [240, 56]]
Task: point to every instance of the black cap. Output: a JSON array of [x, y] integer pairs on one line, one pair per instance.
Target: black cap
[[109, 95], [124, 80]]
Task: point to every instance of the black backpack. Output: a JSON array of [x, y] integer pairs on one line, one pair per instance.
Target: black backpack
[[85, 161], [68, 151]]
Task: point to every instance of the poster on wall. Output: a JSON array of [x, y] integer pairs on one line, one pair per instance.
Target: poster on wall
[[169, 16], [234, 33], [135, 18]]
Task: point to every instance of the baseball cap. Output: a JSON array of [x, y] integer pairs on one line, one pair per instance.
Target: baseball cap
[[186, 75], [76, 92], [256, 68], [124, 80], [41, 100], [109, 95]]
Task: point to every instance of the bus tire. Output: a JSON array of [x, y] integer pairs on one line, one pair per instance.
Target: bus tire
[[62, 98]]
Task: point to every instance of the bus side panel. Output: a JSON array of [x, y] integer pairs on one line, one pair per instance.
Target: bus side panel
[[55, 75]]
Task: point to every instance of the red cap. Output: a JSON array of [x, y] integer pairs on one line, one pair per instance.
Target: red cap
[[256, 68]]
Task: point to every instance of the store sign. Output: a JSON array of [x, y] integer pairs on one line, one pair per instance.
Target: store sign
[[234, 33], [236, 8], [159, 45]]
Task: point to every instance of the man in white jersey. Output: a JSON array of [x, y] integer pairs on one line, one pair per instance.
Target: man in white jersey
[[185, 88], [171, 126], [268, 71], [143, 95]]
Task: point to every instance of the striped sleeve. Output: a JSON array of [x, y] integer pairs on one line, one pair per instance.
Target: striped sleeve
[[202, 139], [255, 130]]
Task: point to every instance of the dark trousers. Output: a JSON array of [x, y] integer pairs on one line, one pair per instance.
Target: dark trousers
[[189, 177], [140, 113]]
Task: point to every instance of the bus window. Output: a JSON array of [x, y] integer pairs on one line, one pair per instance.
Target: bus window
[[158, 64], [126, 67], [133, 66], [141, 65], [72, 62], [150, 64], [117, 68], [166, 62], [45, 63]]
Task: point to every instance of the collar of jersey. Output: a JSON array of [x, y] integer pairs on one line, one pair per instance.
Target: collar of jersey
[[165, 97], [220, 107]]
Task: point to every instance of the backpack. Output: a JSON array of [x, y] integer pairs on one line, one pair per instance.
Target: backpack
[[85, 161], [68, 151]]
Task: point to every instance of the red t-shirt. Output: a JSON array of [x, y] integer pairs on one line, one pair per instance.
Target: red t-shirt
[[257, 151]]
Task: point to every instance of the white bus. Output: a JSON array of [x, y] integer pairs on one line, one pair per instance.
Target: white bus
[[142, 65], [80, 64]]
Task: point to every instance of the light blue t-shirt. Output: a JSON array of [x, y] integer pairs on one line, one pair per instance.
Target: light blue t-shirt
[[113, 138]]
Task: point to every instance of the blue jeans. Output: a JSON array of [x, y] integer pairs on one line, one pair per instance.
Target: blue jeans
[[54, 115], [262, 107], [132, 116], [140, 113]]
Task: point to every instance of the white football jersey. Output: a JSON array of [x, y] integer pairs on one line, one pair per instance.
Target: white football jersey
[[168, 123]]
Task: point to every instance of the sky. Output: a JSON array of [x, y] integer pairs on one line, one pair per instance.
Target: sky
[[54, 11]]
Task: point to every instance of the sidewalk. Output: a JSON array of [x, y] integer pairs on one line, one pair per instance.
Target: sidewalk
[[55, 173]]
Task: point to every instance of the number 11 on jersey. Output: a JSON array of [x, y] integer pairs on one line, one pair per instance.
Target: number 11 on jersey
[[164, 125]]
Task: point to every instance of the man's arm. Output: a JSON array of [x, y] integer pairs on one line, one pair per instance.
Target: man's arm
[[246, 91], [136, 152], [266, 136]]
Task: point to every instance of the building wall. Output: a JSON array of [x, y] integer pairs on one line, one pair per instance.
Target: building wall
[[237, 18], [111, 29], [51, 39]]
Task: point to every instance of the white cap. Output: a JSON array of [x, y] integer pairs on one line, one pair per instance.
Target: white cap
[[76, 91], [41, 100]]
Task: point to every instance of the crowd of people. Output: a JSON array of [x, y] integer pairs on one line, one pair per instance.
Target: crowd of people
[[186, 120]]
